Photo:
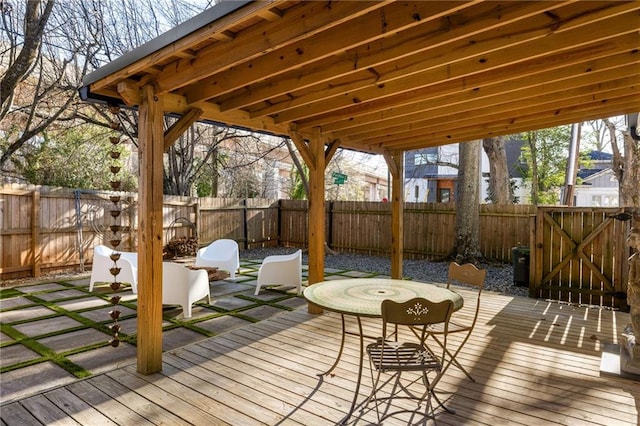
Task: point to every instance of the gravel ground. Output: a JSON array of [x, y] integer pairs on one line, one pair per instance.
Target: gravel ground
[[499, 277]]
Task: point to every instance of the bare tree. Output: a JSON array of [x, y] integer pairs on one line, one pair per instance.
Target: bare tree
[[214, 148], [499, 183], [20, 64], [467, 243], [597, 136], [45, 65]]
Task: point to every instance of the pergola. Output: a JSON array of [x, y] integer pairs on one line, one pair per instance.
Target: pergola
[[381, 77]]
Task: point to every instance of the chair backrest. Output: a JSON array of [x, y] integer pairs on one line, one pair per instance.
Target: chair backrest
[[415, 312], [223, 246], [466, 274], [102, 250], [172, 272]]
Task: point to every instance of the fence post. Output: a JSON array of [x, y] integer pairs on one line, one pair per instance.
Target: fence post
[[132, 222], [35, 234], [197, 220], [330, 225], [245, 225], [534, 253], [279, 223]]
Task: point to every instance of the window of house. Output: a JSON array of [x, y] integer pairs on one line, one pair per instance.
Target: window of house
[[444, 195], [422, 158]]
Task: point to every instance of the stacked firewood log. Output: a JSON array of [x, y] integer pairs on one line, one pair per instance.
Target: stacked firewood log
[[181, 246]]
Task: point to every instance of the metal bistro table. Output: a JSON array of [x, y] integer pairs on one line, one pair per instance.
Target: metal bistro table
[[362, 297]]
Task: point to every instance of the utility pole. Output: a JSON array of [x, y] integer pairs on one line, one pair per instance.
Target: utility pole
[[572, 165]]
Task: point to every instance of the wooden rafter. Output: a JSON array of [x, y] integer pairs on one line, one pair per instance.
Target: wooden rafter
[[398, 76]]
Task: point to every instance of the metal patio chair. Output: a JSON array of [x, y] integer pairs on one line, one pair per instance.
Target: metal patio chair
[[469, 275], [391, 355]]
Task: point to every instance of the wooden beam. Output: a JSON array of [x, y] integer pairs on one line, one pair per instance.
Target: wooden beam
[[316, 213], [331, 150], [513, 126], [356, 32], [151, 149], [395, 162], [130, 93], [443, 122], [216, 30], [302, 147], [261, 38], [324, 100], [564, 90], [378, 64], [180, 126]]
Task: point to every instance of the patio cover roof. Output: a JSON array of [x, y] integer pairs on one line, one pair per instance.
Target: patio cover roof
[[390, 76], [381, 77]]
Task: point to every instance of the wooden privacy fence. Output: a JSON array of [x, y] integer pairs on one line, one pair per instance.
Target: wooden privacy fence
[[580, 256], [48, 230], [577, 255]]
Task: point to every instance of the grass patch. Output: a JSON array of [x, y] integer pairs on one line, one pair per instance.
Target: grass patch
[[46, 354], [8, 293]]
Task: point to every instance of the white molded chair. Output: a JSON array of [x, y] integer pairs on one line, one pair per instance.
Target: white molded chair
[[102, 263], [285, 269], [183, 286], [222, 254]]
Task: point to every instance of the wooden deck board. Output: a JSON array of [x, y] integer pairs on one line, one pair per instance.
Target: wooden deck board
[[120, 413], [535, 363]]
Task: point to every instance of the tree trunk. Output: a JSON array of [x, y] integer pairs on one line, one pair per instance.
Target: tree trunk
[[214, 174], [531, 139], [627, 167], [499, 183], [467, 244], [298, 165], [34, 23]]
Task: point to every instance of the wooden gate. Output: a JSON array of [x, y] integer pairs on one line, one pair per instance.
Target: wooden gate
[[580, 256]]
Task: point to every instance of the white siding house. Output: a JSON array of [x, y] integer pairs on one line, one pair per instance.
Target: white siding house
[[597, 190]]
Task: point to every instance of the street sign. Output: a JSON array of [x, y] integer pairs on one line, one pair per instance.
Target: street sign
[[339, 176], [339, 181]]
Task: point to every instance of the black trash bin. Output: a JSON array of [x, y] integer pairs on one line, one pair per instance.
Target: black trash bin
[[520, 258]]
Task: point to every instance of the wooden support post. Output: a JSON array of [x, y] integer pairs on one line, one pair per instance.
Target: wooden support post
[[316, 213], [396, 168], [151, 148]]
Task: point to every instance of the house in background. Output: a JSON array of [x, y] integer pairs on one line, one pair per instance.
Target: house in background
[[597, 185], [431, 174], [428, 177]]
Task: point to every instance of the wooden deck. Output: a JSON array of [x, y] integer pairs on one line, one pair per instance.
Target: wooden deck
[[535, 363]]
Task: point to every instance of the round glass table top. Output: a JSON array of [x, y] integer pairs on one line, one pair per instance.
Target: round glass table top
[[363, 296]]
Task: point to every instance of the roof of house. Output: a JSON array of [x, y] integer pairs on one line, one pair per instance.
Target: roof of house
[[589, 175]]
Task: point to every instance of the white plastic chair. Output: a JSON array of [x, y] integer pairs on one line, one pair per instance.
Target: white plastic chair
[[222, 254], [285, 269], [102, 263], [183, 286]]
